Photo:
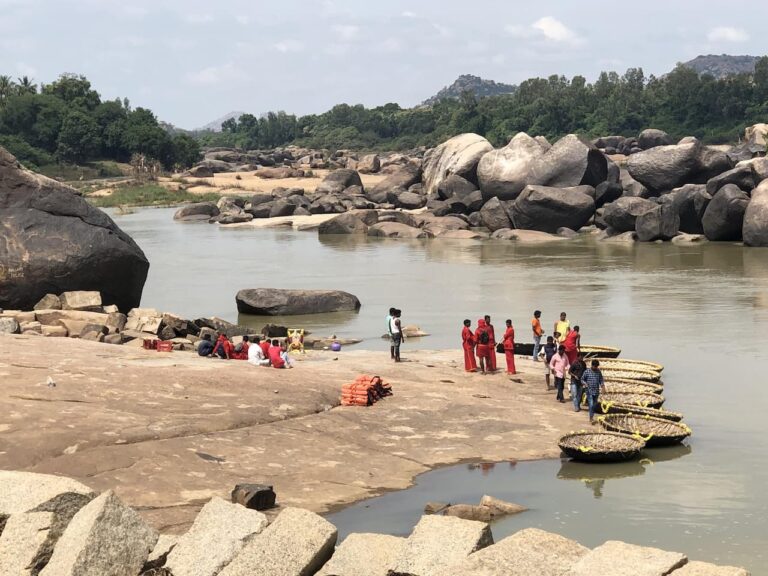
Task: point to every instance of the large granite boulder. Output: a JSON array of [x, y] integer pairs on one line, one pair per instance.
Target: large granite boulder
[[338, 181], [495, 215], [651, 138], [505, 172], [690, 202], [395, 230], [279, 302], [755, 228], [571, 161], [52, 241], [349, 223], [706, 569], [621, 559], [546, 209], [403, 177], [456, 185], [659, 223], [459, 155], [364, 555], [622, 214], [197, 211], [724, 217], [742, 176]]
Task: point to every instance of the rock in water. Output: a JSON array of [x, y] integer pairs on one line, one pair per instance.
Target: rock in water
[[278, 302], [755, 227], [570, 162], [547, 209], [505, 172], [52, 241], [620, 559], [622, 214], [460, 155], [659, 223], [691, 202], [402, 178], [724, 217], [197, 211]]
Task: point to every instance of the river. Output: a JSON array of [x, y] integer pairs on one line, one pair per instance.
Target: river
[[701, 310]]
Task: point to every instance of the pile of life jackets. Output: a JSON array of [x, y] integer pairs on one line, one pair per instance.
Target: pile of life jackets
[[364, 391]]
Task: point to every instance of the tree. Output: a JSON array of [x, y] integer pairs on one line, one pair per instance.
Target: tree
[[79, 138], [7, 88], [75, 90], [186, 151], [25, 86]]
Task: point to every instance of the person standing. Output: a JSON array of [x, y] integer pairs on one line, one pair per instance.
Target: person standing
[[482, 339], [491, 345], [592, 379], [572, 343], [468, 344], [389, 331], [537, 333], [397, 334], [562, 326], [576, 372], [550, 348], [560, 366], [509, 347]]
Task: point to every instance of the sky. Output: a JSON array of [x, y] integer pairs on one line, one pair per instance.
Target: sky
[[192, 61]]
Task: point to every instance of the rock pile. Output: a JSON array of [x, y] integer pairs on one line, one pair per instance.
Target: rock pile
[[97, 535]]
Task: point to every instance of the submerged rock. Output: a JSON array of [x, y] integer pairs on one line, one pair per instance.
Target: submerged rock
[[279, 302]]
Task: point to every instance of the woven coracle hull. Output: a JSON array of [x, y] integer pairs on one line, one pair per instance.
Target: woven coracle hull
[[591, 351], [617, 408], [633, 386], [637, 398], [643, 375], [600, 446], [655, 431], [626, 364]]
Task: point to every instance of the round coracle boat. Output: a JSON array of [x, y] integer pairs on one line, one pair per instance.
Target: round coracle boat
[[644, 399], [601, 446], [618, 408], [654, 431], [625, 364], [659, 385], [643, 375], [633, 386], [600, 351]]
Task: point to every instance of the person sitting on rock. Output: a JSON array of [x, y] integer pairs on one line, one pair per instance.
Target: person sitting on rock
[[206, 346], [240, 351], [275, 355], [265, 346], [223, 348], [256, 354], [285, 356]]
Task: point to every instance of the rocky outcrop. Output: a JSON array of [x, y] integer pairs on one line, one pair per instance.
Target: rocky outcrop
[[622, 214], [197, 211], [724, 217], [659, 223], [395, 230], [278, 302], [338, 181], [405, 176], [651, 138], [621, 559], [690, 202], [460, 155], [495, 215], [570, 162], [505, 172], [52, 240], [547, 209], [364, 555], [349, 223], [755, 226]]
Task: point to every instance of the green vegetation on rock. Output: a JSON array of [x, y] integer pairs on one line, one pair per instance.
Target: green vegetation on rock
[[148, 195]]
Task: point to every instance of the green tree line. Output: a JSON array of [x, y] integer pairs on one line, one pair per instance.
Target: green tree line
[[681, 103], [67, 122]]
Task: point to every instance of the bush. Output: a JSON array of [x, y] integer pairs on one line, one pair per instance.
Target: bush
[[29, 156], [148, 195]]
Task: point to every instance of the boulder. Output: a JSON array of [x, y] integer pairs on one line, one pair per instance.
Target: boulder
[[742, 176], [500, 507], [607, 192], [364, 555], [528, 236], [164, 545], [297, 543], [458, 234], [21, 541], [9, 326], [48, 302], [53, 241], [197, 211], [212, 167], [651, 138], [277, 173], [526, 553], [200, 172], [438, 542], [255, 496], [759, 167], [403, 177], [706, 569], [279, 302], [621, 559], [219, 532], [469, 512], [238, 218], [282, 207], [347, 223], [724, 217], [455, 185], [690, 202], [505, 172], [395, 230], [28, 491], [460, 155], [369, 164], [338, 181], [54, 331], [622, 214], [755, 227], [494, 215], [757, 134], [659, 223], [689, 239], [105, 538], [620, 238], [410, 201], [570, 162], [547, 209], [81, 300]]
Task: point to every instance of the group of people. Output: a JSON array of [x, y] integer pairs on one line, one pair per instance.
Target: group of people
[[395, 331], [481, 343], [259, 352]]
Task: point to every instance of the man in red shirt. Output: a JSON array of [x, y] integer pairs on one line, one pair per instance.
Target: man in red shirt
[[223, 347], [274, 356]]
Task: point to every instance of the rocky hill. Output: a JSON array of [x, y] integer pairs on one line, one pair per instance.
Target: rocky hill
[[722, 65], [215, 126], [475, 84]]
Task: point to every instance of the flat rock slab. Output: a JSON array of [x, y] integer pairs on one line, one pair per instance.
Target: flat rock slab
[[525, 553], [706, 569], [105, 538], [21, 540], [278, 302], [364, 555], [622, 559], [437, 542], [297, 543], [217, 535], [25, 491]]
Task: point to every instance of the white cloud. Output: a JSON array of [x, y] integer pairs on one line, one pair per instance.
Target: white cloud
[[389, 46], [409, 14], [215, 75], [288, 46], [443, 31], [25, 69], [347, 32], [198, 18], [243, 20], [727, 34], [547, 29]]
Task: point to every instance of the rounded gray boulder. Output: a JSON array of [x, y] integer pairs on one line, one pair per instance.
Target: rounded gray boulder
[[724, 217], [279, 302], [548, 209]]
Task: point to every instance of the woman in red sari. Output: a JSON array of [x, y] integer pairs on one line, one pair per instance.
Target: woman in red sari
[[509, 348], [491, 345], [468, 343], [572, 344], [483, 351]]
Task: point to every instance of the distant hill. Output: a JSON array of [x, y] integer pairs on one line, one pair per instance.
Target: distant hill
[[722, 65], [215, 126], [475, 84]]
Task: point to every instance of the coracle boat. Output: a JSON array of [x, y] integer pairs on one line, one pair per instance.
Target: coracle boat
[[601, 446], [658, 385], [600, 351], [522, 349], [618, 408], [643, 399], [644, 375], [655, 431], [633, 386], [623, 364]]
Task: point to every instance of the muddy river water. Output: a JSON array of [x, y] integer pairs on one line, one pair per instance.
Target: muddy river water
[[701, 310]]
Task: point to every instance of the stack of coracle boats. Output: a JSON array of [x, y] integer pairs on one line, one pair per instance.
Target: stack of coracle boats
[[632, 414]]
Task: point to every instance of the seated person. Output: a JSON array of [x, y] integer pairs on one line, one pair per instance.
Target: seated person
[[285, 357], [206, 346], [223, 347], [240, 351], [256, 354], [275, 355], [265, 345]]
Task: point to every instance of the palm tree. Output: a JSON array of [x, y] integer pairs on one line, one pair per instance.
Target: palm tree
[[7, 88], [26, 86]]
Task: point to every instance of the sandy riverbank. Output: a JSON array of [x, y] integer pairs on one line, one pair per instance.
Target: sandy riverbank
[[168, 431]]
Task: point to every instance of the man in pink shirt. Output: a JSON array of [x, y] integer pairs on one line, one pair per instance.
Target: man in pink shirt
[[560, 366]]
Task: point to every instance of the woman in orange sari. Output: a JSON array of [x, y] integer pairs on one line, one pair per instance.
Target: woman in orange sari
[[483, 350], [572, 344], [509, 348], [468, 343]]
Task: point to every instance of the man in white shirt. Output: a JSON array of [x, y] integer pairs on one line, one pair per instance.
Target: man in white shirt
[[256, 354]]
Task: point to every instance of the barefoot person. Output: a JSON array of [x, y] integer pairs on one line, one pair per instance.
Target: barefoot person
[[390, 316], [397, 333], [482, 338], [468, 344], [491, 345], [572, 343], [562, 327], [550, 348], [576, 372], [592, 379], [509, 347], [560, 367], [537, 333]]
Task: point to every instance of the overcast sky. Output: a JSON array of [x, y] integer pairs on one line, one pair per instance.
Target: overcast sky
[[192, 61]]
